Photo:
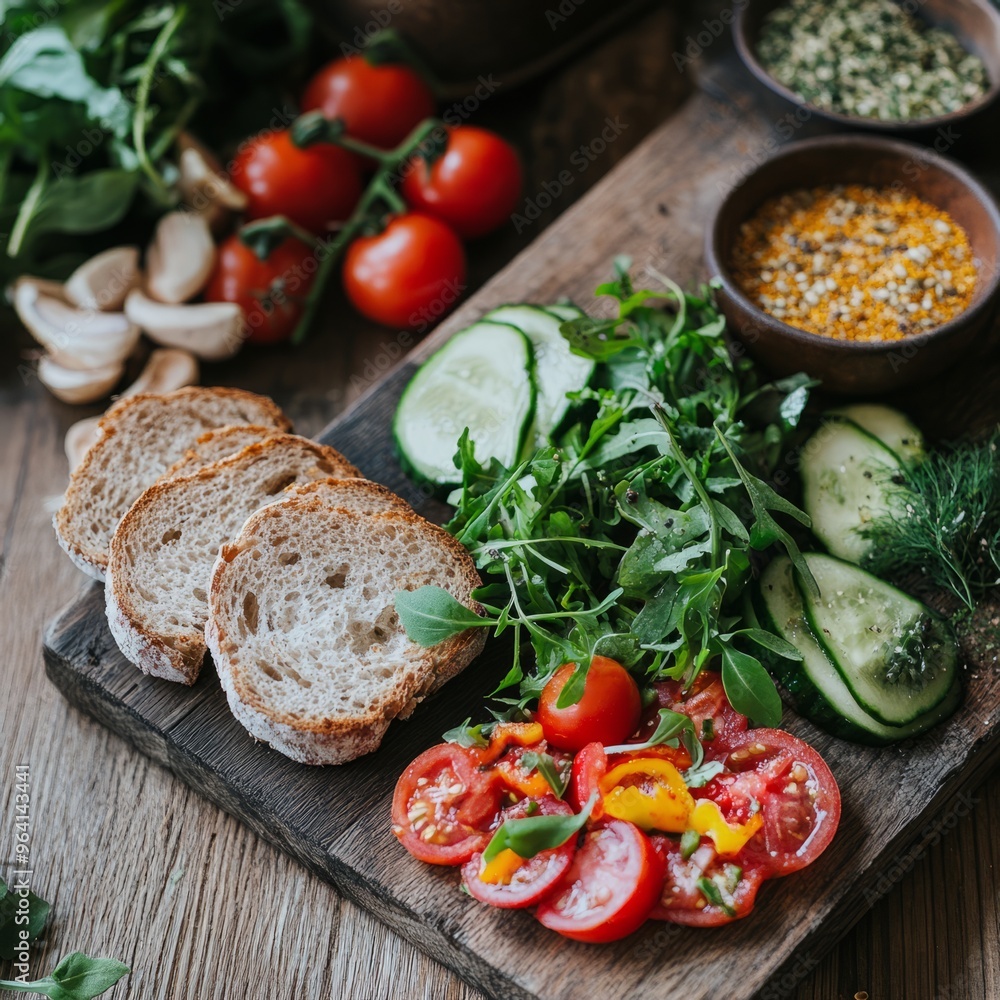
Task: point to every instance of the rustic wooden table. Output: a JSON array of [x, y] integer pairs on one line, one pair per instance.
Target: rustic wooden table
[[139, 867]]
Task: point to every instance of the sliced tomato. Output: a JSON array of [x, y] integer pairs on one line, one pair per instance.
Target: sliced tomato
[[612, 884], [512, 885], [794, 789], [683, 900], [706, 699], [444, 806], [589, 766]]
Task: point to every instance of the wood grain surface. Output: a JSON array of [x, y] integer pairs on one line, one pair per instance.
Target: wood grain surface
[[140, 867]]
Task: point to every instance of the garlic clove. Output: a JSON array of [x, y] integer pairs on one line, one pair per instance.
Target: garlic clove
[[209, 330], [103, 281], [72, 386], [80, 339], [181, 258], [167, 369]]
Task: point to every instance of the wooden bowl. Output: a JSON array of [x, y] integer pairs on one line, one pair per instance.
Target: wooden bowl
[[860, 367], [976, 24]]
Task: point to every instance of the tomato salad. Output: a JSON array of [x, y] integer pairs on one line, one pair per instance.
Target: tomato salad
[[682, 821]]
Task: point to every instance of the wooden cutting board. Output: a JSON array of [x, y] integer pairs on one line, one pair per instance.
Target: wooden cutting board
[[335, 821]]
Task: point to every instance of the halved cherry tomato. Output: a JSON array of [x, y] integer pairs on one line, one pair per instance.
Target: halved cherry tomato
[[683, 902], [270, 292], [513, 882], [589, 766], [473, 186], [796, 792], [412, 272], [608, 711], [313, 186], [444, 807], [379, 104], [705, 700], [615, 879]]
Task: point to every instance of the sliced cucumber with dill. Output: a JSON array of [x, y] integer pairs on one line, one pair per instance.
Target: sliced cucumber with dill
[[557, 370], [848, 480], [480, 379], [897, 657], [894, 429], [815, 685]]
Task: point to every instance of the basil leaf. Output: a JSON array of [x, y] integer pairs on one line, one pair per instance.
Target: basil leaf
[[749, 688], [533, 834], [81, 977], [466, 735], [431, 615], [713, 894], [546, 767]]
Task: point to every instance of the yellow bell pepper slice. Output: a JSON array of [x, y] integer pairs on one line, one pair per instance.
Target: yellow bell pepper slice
[[707, 819], [501, 869], [649, 792]]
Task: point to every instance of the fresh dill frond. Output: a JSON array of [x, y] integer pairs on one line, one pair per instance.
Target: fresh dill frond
[[945, 522]]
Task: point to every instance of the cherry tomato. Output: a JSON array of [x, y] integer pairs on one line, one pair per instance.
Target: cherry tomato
[[796, 792], [444, 808], [608, 712], [313, 186], [589, 766], [682, 900], [705, 700], [473, 186], [614, 880], [270, 292], [380, 105], [412, 272], [534, 877]]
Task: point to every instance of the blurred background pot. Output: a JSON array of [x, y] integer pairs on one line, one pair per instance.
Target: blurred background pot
[[462, 40]]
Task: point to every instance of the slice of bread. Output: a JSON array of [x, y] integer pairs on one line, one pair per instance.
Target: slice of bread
[[140, 438], [212, 446], [356, 496], [303, 628], [163, 550]]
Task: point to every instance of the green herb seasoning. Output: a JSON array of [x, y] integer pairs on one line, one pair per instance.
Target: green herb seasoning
[[869, 58]]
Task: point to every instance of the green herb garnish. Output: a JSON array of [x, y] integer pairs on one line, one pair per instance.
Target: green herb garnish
[[533, 834], [546, 767]]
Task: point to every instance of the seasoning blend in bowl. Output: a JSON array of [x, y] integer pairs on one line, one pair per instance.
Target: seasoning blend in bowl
[[869, 58], [855, 263]]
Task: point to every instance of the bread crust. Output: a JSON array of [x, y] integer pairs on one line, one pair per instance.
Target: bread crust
[[335, 739], [179, 658], [77, 500]]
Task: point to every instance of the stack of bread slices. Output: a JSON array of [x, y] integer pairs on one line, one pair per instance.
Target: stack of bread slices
[[217, 529]]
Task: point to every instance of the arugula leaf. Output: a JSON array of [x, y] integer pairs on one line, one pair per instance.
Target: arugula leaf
[[698, 777], [528, 836], [749, 688], [768, 640], [467, 735], [546, 767], [431, 615], [671, 725]]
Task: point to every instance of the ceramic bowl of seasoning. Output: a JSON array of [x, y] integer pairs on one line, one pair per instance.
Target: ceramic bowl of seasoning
[[868, 262], [915, 69]]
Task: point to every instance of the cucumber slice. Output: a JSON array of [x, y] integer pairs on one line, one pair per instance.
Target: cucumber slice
[[846, 483], [897, 657], [892, 428], [557, 369], [480, 379], [814, 684]]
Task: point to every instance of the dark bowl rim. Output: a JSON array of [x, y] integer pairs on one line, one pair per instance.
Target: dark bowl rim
[[749, 58], [769, 324]]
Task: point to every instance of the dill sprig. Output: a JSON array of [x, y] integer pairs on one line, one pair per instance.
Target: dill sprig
[[945, 522]]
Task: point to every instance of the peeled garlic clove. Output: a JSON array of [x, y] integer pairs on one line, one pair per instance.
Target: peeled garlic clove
[[103, 281], [209, 330], [202, 182], [72, 386], [75, 338], [181, 258], [166, 370]]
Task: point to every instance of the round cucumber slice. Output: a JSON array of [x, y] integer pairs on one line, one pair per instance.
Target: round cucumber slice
[[480, 379], [894, 429]]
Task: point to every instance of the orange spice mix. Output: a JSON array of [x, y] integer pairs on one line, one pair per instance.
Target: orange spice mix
[[855, 263]]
